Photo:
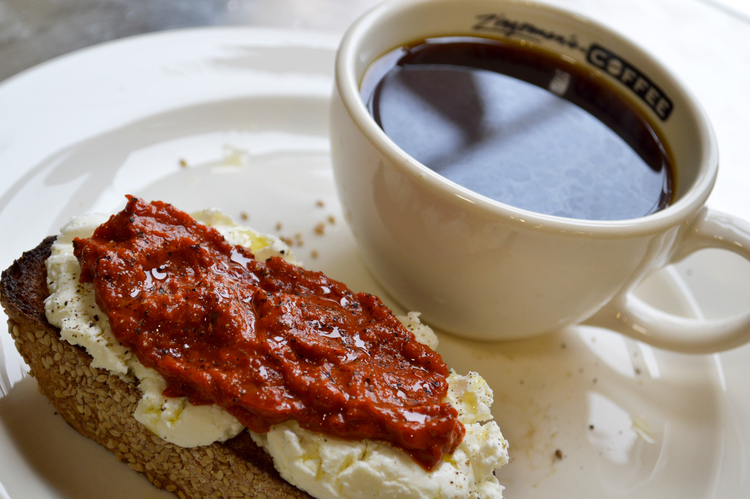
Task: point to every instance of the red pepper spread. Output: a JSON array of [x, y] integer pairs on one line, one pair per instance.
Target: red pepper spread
[[268, 341]]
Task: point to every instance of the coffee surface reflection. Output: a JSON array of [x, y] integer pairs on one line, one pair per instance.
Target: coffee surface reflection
[[522, 126]]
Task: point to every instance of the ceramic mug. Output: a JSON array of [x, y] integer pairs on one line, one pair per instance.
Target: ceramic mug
[[485, 270]]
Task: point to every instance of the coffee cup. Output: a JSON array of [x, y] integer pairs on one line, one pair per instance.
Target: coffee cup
[[489, 269]]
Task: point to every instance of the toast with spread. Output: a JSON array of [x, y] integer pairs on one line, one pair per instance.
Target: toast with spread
[[85, 309]]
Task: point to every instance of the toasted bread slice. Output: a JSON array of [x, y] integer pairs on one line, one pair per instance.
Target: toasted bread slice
[[100, 405]]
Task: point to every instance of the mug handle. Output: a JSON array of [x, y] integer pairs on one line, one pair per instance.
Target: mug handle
[[633, 317]]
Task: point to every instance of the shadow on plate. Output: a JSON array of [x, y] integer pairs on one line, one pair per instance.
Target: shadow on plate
[[49, 456]]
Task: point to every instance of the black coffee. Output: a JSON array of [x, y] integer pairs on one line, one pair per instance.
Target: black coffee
[[522, 126]]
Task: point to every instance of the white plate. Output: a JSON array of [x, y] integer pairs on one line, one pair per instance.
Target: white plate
[[237, 118]]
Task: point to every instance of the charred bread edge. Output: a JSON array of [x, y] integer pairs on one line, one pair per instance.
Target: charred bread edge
[[100, 405]]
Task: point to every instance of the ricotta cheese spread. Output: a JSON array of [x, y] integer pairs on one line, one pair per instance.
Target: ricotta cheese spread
[[324, 466]]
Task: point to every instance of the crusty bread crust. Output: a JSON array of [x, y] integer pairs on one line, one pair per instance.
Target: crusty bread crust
[[100, 405]]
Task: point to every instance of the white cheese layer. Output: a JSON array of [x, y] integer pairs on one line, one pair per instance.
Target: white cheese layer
[[329, 467], [325, 467]]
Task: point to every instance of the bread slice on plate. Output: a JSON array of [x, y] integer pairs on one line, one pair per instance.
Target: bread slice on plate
[[201, 450]]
